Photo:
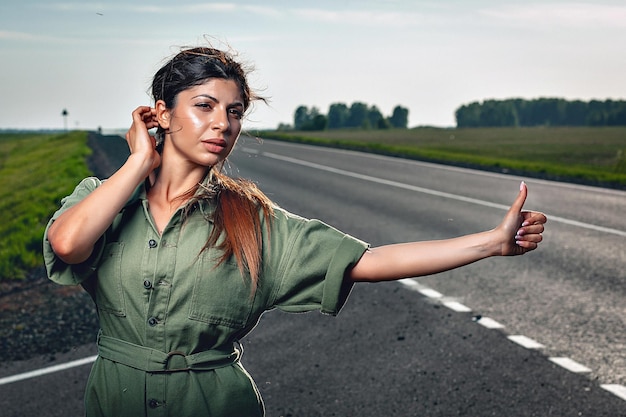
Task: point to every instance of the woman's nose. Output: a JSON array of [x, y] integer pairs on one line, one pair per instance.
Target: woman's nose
[[220, 120]]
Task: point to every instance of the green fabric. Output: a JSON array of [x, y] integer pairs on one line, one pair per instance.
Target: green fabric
[[162, 294]]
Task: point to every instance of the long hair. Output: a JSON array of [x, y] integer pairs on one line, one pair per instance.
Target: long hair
[[239, 202]]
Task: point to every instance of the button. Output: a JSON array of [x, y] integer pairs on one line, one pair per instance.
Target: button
[[152, 321], [153, 403], [147, 284], [152, 243]]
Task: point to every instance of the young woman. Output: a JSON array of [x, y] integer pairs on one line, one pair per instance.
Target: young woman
[[182, 260]]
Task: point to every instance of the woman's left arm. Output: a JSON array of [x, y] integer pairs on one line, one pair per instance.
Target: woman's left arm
[[519, 232]]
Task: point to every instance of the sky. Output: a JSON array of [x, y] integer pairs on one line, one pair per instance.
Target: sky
[[96, 58]]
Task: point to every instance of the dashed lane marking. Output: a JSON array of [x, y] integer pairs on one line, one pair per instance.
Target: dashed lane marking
[[570, 365], [615, 389], [456, 306], [526, 342], [489, 323], [430, 293]]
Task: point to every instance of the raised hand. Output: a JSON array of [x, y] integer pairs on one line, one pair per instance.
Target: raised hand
[[140, 142], [521, 230]]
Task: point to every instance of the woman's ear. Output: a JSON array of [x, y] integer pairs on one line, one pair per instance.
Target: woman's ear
[[163, 114]]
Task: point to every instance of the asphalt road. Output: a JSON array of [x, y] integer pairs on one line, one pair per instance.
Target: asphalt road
[[418, 348]]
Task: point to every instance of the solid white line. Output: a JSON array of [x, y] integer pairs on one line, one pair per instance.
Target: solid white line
[[489, 323], [616, 389], [48, 370], [570, 365], [435, 192], [526, 342], [451, 168]]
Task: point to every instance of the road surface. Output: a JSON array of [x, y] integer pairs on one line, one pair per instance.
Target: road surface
[[538, 335]]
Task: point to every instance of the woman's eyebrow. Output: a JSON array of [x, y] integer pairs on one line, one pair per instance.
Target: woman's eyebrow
[[210, 97], [206, 96]]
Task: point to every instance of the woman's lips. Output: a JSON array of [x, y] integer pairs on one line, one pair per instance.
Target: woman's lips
[[215, 145]]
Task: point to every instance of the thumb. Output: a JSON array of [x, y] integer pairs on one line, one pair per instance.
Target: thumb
[[521, 198]]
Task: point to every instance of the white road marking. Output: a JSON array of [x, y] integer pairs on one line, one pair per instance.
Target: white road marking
[[489, 323], [416, 286], [48, 370], [570, 365], [615, 389], [456, 306], [443, 167], [409, 282], [430, 293], [434, 192], [526, 342]]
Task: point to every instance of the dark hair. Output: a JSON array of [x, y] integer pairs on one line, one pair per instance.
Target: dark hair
[[238, 201]]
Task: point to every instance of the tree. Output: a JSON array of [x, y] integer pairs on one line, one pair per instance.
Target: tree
[[301, 117], [496, 114], [319, 122], [374, 117], [468, 115], [400, 117], [338, 114], [358, 115]]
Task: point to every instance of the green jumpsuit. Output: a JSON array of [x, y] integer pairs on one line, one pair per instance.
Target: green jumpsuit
[[171, 319]]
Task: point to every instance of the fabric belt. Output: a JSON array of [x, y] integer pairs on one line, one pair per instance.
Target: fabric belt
[[152, 360]]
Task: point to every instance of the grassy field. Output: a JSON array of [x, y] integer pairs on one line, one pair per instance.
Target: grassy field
[[36, 171], [586, 155]]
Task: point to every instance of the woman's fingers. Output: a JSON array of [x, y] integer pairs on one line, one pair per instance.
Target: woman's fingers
[[525, 227], [529, 235]]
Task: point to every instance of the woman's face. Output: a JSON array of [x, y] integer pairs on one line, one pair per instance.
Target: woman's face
[[204, 124]]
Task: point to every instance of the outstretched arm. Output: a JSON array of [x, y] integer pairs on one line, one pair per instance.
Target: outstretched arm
[[519, 232]]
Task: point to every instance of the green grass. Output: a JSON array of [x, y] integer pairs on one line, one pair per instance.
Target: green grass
[[586, 155], [36, 171]]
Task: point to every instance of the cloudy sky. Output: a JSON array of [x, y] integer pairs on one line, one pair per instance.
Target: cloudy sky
[[96, 58]]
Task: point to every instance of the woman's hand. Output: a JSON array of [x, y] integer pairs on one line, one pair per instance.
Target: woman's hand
[[140, 142], [520, 231]]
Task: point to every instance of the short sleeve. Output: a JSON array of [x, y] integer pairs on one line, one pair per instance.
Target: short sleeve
[[58, 271], [313, 262]]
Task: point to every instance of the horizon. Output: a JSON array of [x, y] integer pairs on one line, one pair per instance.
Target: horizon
[[96, 59]]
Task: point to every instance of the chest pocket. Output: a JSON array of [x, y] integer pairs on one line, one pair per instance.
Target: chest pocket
[[109, 293], [221, 296]]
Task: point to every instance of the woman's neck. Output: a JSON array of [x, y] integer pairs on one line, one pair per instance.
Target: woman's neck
[[171, 183]]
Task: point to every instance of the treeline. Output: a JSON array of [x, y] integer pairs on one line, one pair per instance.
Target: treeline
[[340, 115], [541, 112]]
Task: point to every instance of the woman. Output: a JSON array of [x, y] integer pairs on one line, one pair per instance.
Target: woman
[[182, 260]]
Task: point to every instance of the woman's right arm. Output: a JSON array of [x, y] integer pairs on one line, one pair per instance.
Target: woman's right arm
[[74, 234]]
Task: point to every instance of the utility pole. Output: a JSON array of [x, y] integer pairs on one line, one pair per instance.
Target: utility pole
[[64, 113]]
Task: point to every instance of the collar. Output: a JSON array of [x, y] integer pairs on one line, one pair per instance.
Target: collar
[[206, 206]]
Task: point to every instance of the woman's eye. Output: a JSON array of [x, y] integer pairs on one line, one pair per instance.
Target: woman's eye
[[204, 105], [236, 113]]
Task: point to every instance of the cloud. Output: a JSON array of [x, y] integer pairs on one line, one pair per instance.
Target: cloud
[[563, 14]]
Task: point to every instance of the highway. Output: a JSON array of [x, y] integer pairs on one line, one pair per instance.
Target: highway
[[537, 335]]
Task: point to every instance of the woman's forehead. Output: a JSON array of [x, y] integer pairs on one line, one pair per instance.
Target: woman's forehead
[[219, 89]]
